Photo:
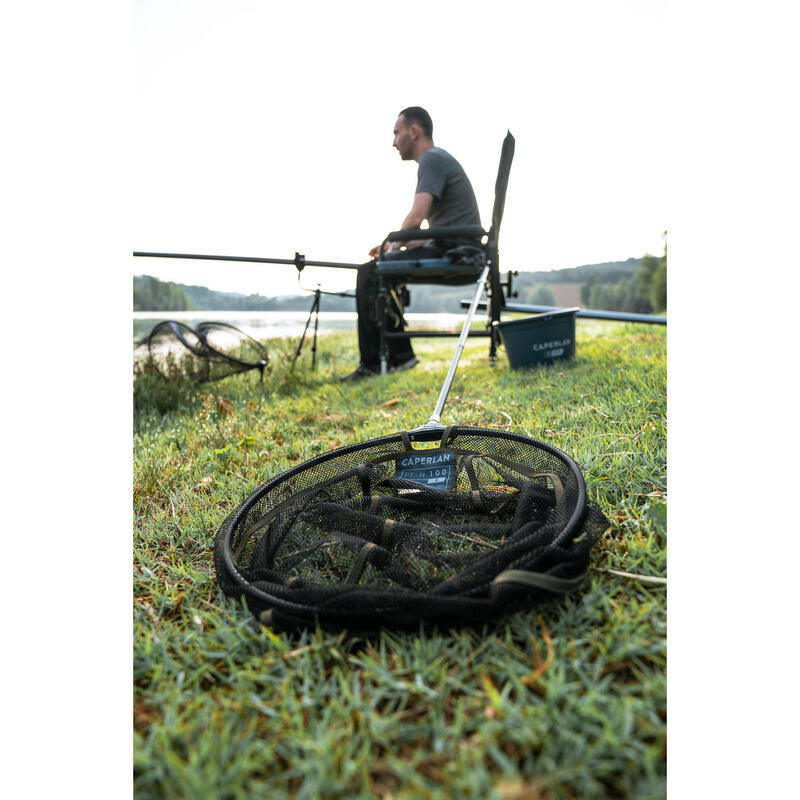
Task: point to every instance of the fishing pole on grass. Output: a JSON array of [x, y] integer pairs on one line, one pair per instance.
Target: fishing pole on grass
[[586, 313]]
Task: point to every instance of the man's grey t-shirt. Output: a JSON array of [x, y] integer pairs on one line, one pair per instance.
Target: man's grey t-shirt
[[442, 176]]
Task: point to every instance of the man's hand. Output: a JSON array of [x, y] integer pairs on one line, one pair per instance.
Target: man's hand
[[420, 209], [388, 247]]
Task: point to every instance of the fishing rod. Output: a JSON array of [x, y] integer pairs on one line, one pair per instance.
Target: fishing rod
[[299, 260], [588, 313]]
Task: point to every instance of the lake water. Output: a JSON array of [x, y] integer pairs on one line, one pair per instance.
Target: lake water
[[272, 324]]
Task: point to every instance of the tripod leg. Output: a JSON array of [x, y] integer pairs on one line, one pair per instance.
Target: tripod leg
[[314, 344], [314, 307]]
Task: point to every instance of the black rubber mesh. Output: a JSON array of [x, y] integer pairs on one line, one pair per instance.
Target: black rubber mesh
[[342, 540], [210, 352]]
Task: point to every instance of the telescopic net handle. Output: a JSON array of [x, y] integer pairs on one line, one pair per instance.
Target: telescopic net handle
[[434, 421]]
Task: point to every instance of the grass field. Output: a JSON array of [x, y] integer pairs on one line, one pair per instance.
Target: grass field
[[568, 700]]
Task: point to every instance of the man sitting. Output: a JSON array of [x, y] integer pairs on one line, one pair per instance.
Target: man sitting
[[443, 196]]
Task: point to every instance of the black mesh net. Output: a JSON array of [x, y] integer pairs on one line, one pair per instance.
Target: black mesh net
[[209, 352], [387, 534]]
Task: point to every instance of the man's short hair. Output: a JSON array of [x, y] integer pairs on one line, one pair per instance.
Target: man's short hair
[[421, 117]]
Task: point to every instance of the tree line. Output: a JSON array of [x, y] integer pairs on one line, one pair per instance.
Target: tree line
[[151, 294], [638, 285], [643, 293]]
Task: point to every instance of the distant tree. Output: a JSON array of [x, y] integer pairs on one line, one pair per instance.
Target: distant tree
[[602, 297], [621, 296], [644, 274], [652, 278], [632, 300], [641, 293], [586, 289], [151, 294], [543, 296], [658, 286]]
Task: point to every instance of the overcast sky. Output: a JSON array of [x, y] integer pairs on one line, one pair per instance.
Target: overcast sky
[[263, 128]]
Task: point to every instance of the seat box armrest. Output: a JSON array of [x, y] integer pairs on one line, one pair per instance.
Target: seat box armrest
[[438, 232]]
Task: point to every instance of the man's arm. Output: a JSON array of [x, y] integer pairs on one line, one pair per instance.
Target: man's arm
[[420, 209]]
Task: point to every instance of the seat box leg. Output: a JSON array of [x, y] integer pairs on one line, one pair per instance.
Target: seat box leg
[[382, 344]]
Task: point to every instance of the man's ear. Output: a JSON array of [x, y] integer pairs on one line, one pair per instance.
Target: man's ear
[[415, 130]]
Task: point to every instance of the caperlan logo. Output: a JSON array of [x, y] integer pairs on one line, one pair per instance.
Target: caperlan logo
[[425, 461], [551, 345]]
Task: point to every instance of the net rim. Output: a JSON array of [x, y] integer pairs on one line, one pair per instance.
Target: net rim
[[202, 329], [195, 340], [231, 522]]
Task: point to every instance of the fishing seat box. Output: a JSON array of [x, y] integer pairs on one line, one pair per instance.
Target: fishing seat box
[[539, 339]]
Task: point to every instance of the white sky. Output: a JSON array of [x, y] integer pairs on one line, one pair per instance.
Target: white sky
[[263, 128]]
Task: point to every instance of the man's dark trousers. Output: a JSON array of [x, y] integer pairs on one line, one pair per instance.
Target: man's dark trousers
[[399, 350]]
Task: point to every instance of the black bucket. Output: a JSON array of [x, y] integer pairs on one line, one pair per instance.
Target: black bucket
[[539, 339]]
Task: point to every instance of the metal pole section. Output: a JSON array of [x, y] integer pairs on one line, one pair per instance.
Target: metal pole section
[[298, 261], [587, 313], [434, 421]]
